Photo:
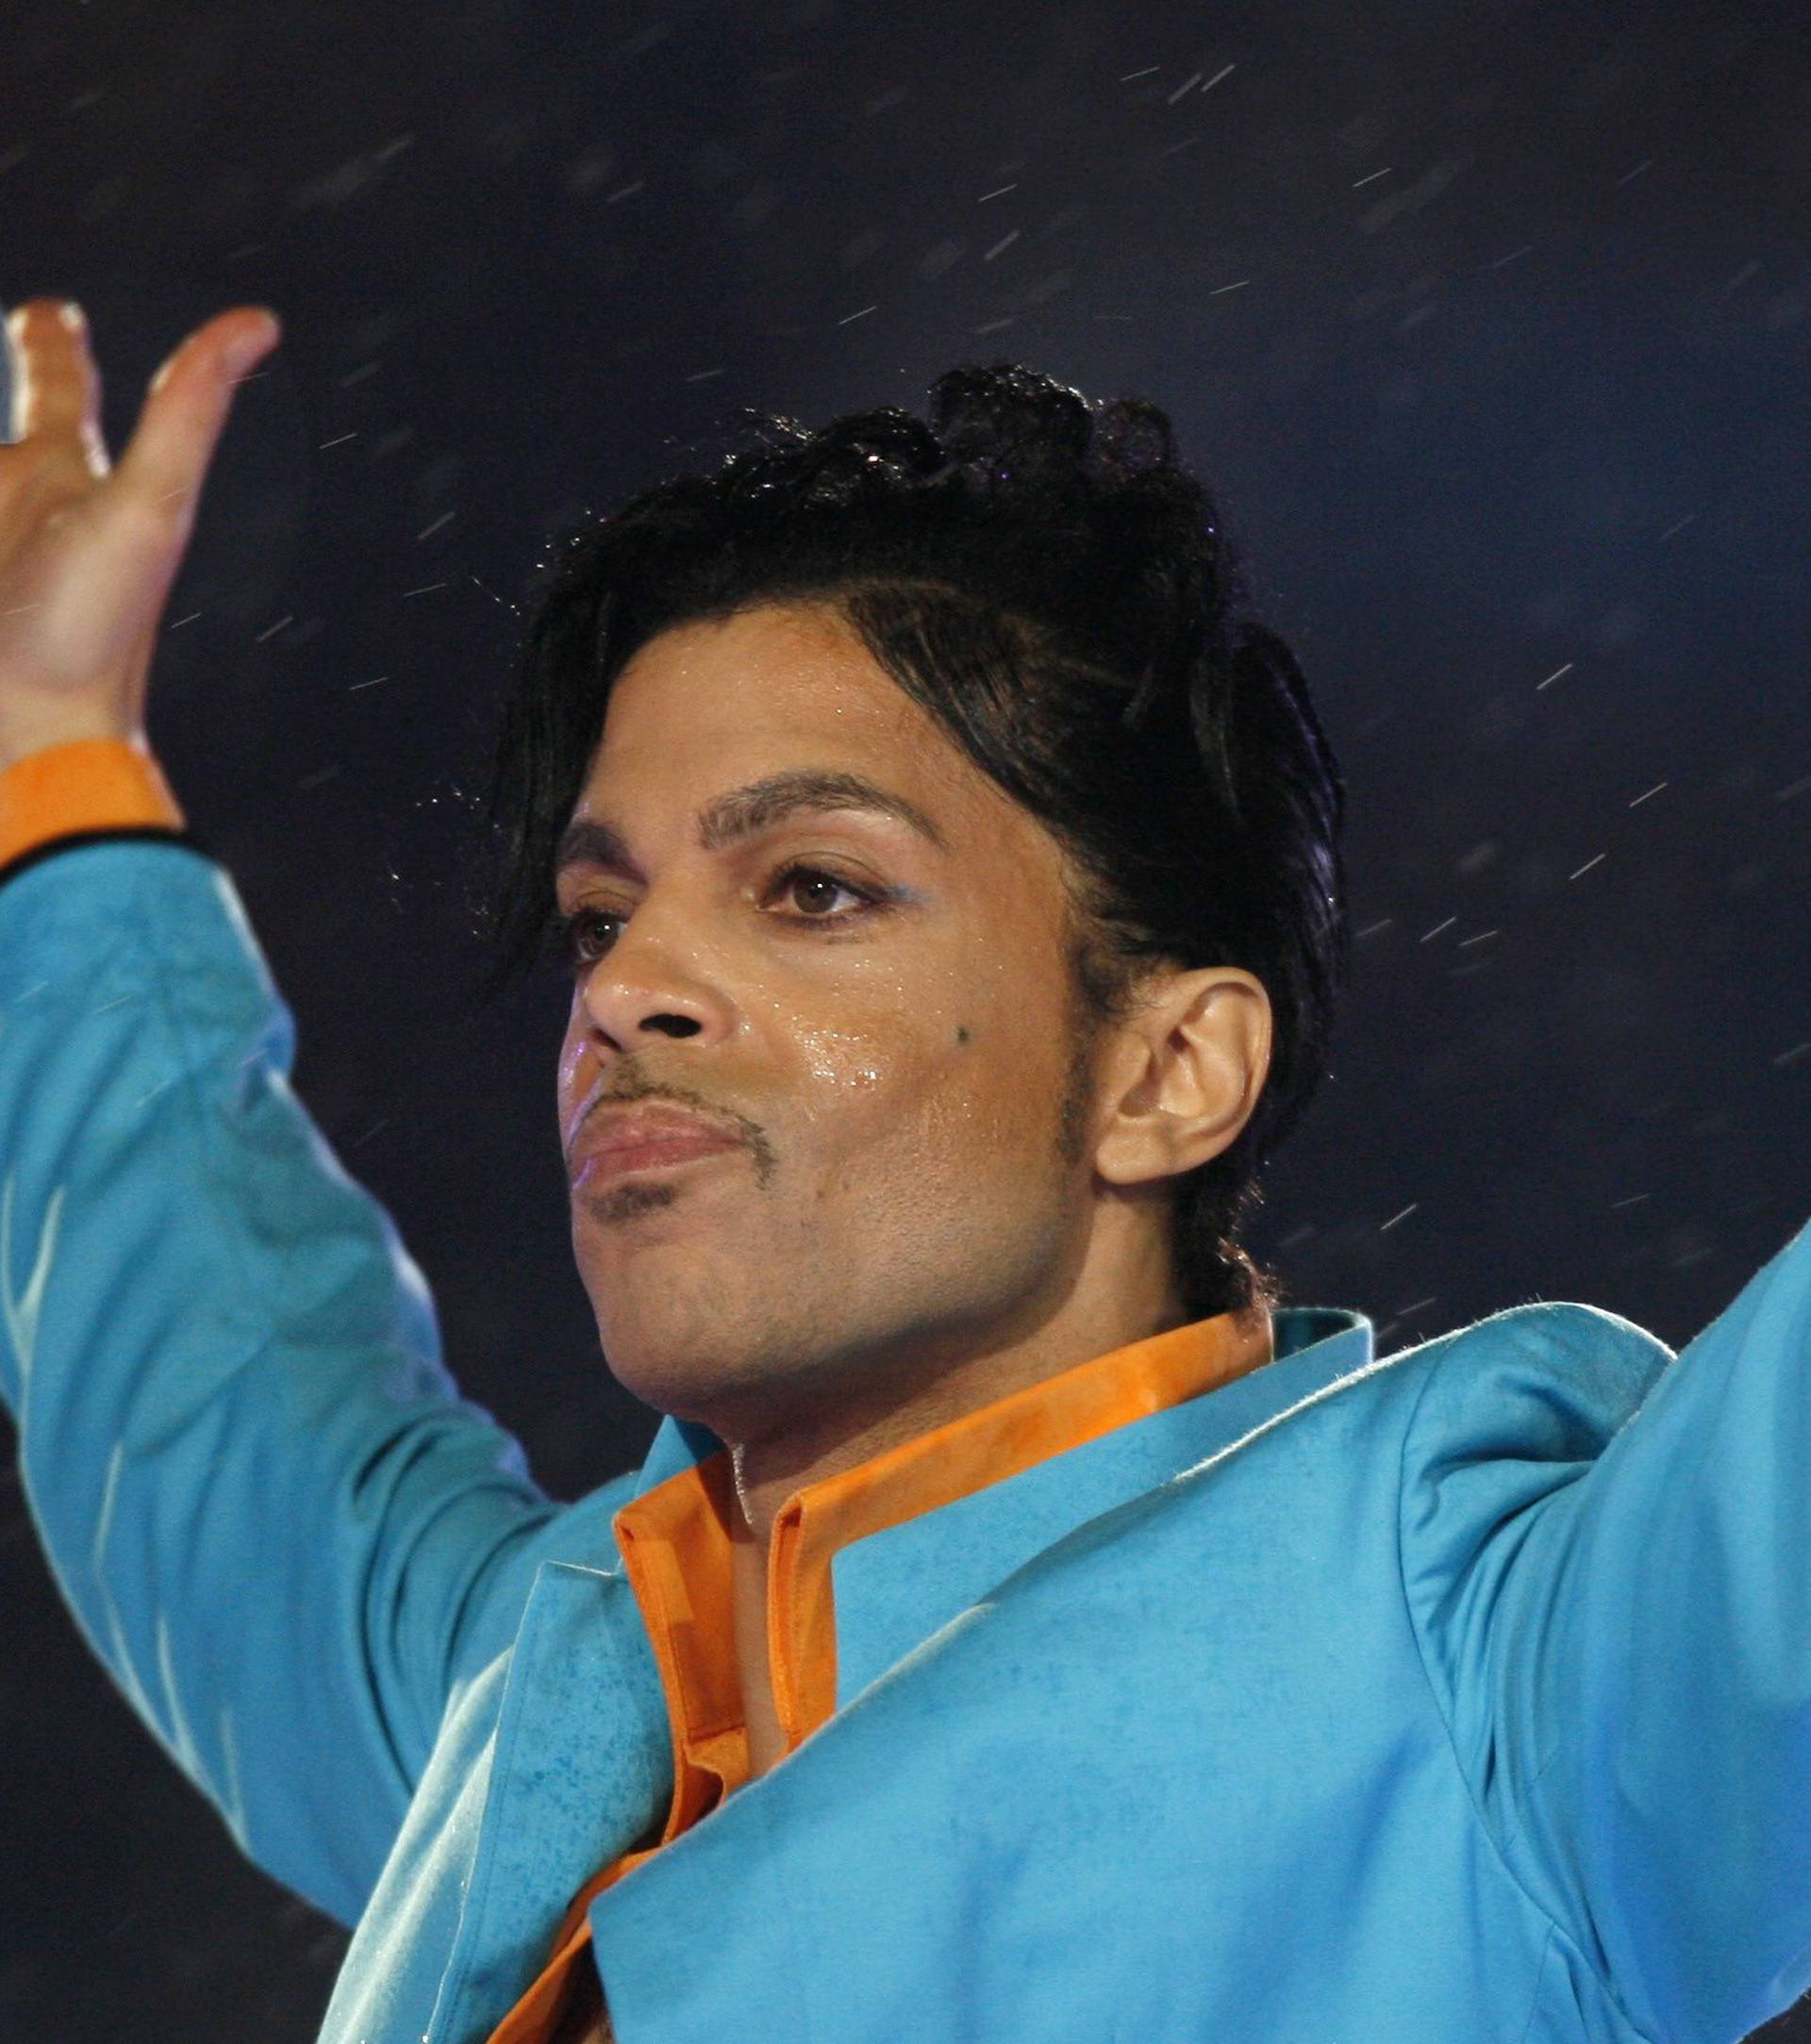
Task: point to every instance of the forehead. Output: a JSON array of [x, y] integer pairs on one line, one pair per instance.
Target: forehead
[[703, 706], [770, 668]]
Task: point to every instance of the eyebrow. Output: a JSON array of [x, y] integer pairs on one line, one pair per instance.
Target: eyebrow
[[745, 811]]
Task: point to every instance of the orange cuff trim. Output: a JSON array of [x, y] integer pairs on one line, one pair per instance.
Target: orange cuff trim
[[90, 784]]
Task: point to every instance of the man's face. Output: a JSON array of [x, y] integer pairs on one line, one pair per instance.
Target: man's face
[[902, 1195]]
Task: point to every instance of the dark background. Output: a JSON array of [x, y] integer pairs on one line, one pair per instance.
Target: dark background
[[1490, 325]]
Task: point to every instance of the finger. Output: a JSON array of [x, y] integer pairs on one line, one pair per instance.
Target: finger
[[187, 406], [56, 387]]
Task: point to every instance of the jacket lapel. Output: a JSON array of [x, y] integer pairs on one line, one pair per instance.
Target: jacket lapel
[[580, 1768]]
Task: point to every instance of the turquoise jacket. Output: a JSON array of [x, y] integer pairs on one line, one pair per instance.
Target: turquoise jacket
[[1463, 1695]]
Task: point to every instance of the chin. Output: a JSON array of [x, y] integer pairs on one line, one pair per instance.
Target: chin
[[676, 1370], [693, 1361]]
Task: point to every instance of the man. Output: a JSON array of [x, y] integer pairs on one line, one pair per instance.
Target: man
[[1022, 1626]]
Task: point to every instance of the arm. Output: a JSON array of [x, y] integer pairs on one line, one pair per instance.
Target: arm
[[274, 1519], [1620, 1634]]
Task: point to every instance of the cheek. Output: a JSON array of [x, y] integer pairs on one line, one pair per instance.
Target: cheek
[[852, 1091], [972, 1098]]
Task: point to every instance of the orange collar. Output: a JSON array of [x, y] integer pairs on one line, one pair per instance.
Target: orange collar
[[676, 1544]]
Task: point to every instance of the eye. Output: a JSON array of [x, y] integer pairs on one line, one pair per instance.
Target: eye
[[792, 877], [566, 942]]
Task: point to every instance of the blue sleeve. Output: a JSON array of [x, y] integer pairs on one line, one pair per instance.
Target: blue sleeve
[[274, 1517], [1608, 1553]]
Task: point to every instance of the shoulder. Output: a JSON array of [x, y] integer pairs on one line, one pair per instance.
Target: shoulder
[[1540, 1383], [1548, 1378], [1510, 1411]]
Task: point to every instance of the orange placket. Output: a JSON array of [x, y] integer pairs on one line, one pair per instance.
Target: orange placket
[[801, 1628]]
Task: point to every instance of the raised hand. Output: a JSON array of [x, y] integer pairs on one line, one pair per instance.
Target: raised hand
[[88, 552]]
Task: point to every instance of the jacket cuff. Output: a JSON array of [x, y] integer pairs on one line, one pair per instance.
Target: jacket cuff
[[87, 786]]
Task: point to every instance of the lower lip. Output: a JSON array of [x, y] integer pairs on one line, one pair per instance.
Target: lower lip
[[645, 1156]]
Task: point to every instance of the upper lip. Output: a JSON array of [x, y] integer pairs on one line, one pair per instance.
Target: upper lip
[[628, 1127]]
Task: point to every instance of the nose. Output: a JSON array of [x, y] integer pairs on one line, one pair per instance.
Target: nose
[[650, 984]]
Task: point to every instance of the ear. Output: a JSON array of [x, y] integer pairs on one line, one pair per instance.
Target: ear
[[1184, 1074]]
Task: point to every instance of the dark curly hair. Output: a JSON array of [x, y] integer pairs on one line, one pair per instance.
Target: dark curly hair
[[1042, 575]]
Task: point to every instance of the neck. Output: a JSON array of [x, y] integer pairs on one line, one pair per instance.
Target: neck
[[823, 1435]]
